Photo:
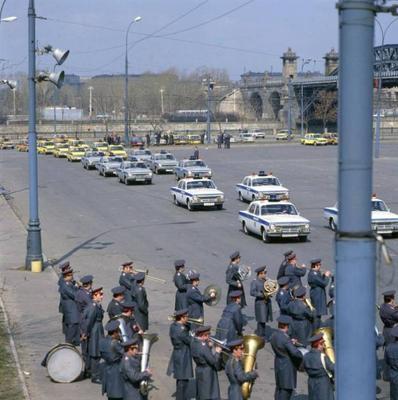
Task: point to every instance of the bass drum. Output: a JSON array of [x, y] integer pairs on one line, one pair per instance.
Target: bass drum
[[64, 363]]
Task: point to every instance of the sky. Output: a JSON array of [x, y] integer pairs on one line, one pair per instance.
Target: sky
[[236, 35]]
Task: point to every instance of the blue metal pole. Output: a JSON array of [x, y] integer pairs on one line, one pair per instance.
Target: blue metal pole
[[355, 244], [208, 124], [34, 252], [289, 112]]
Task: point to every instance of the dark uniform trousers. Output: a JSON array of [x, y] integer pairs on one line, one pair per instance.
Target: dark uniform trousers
[[391, 358], [181, 282], [207, 365], [295, 274], [132, 377], [237, 377], [318, 284], [93, 329], [262, 306], [287, 359], [111, 352], [181, 360], [234, 283], [320, 385], [71, 313]]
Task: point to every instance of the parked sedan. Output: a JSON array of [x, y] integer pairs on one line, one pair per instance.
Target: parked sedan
[[192, 169], [134, 172], [91, 159], [108, 166], [162, 162], [141, 155]]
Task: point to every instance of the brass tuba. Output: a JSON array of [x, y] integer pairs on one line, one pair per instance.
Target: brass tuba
[[308, 303], [253, 344], [270, 288], [148, 339], [328, 338]]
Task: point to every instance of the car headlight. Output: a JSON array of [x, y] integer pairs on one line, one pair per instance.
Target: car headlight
[[220, 198], [209, 172], [189, 173], [150, 174], [272, 227], [195, 198], [306, 227]]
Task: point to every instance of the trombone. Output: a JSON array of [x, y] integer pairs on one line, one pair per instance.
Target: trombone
[[197, 321], [147, 276]]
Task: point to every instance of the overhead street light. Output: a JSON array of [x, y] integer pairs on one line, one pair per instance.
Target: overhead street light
[[11, 84], [126, 84], [9, 19], [59, 55], [57, 78]]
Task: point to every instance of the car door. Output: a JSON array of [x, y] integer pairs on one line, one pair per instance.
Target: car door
[[256, 220], [245, 190], [249, 220], [180, 196]]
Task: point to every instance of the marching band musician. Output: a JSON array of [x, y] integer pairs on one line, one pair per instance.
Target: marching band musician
[[391, 359], [207, 364], [283, 297], [230, 326], [63, 267], [232, 277], [287, 358], [282, 267], [71, 316], [302, 316], [195, 298], [318, 283], [130, 370], [181, 358], [262, 304], [141, 309], [181, 282], [388, 314], [111, 351], [115, 305], [320, 370], [127, 280], [93, 331], [294, 272], [130, 323], [234, 370]]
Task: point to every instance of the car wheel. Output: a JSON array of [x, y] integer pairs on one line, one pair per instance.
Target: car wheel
[[175, 201], [219, 206], [120, 180], [240, 196], [303, 238], [253, 197], [265, 237], [189, 205], [332, 224], [244, 228], [126, 182]]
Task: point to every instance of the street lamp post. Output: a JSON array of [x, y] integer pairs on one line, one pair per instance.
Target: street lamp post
[[6, 19], [303, 63], [161, 101], [126, 84], [379, 86]]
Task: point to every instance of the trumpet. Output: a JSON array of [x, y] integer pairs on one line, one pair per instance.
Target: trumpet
[[220, 343], [197, 321]]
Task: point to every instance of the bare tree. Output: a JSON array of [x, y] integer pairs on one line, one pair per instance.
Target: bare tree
[[325, 107]]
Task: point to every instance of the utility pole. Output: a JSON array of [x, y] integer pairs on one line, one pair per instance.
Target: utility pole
[[289, 113], [355, 242], [90, 112], [161, 101], [303, 63], [14, 101], [210, 85]]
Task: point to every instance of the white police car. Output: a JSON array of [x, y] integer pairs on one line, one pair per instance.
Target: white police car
[[261, 187], [192, 168], [274, 219], [195, 193], [384, 221]]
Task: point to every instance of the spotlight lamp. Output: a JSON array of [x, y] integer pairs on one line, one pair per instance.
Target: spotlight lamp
[[59, 55], [57, 78], [11, 84]]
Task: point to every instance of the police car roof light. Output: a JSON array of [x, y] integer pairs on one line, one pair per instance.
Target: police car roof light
[[261, 173]]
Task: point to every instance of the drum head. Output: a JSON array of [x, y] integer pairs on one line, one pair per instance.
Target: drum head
[[64, 364]]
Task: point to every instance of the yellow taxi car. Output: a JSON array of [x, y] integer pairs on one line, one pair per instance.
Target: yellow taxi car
[[78, 143], [331, 138], [46, 147], [117, 150], [100, 146], [314, 139], [61, 150], [75, 153], [193, 139]]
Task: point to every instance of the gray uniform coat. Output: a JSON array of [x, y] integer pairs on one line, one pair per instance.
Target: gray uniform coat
[[92, 328], [83, 299], [130, 369], [236, 377], [318, 284], [287, 360], [301, 328], [141, 310], [181, 358], [111, 352], [69, 307], [128, 282], [389, 316], [262, 307], [181, 282], [283, 298], [114, 308], [232, 279], [230, 326], [319, 384], [207, 365], [294, 273], [195, 300], [391, 358]]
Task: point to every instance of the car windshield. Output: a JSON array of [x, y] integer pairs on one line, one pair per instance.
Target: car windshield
[[265, 181], [278, 208], [138, 165], [75, 149], [379, 205], [164, 157], [89, 154], [116, 159], [142, 153], [205, 184], [100, 144], [116, 148], [194, 163]]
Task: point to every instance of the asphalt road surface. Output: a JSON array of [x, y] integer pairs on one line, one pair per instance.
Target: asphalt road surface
[[97, 223]]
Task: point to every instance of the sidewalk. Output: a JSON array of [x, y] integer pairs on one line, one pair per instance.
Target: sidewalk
[[29, 300]]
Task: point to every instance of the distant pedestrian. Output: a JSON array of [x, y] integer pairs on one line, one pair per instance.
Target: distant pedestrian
[[196, 153], [227, 141], [166, 138], [148, 139], [202, 137], [219, 140]]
